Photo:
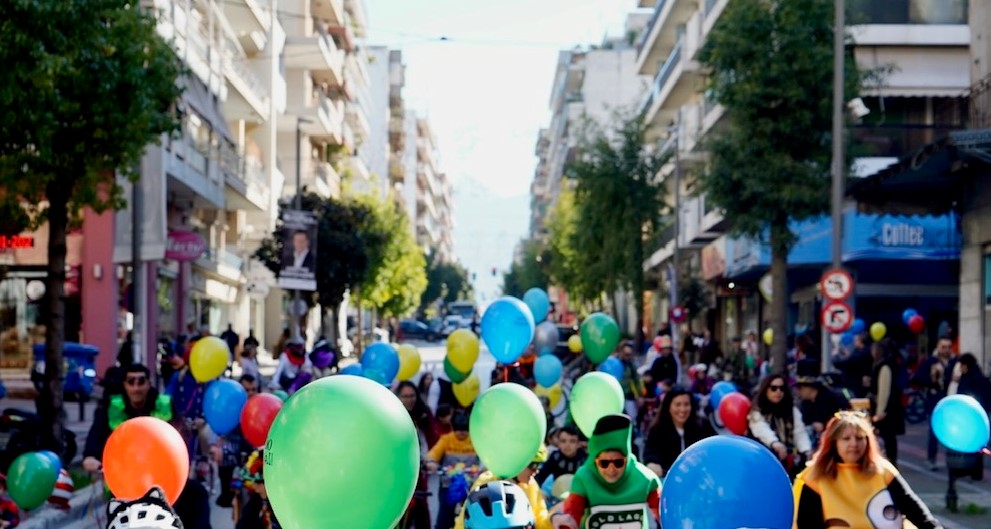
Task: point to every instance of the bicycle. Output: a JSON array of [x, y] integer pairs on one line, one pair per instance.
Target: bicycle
[[914, 404]]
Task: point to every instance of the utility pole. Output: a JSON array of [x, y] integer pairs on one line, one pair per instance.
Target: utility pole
[[675, 258], [137, 274], [839, 42], [298, 204]]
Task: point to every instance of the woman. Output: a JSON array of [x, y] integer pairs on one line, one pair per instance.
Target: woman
[[776, 422], [849, 484], [676, 427], [886, 392], [418, 515]]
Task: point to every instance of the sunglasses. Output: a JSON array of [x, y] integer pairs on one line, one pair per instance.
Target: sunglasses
[[604, 463], [775, 387], [535, 466], [135, 381]]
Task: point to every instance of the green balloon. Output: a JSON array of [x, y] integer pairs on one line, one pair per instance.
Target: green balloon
[[31, 479], [594, 396], [281, 394], [452, 372], [507, 426], [600, 335], [335, 440]]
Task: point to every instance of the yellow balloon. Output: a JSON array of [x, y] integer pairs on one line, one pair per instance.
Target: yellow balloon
[[768, 336], [409, 362], [878, 330], [209, 358], [552, 393], [575, 343], [462, 349], [562, 486], [466, 391]]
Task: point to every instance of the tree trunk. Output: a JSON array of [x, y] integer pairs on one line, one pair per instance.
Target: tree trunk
[[50, 400], [638, 289], [359, 345], [779, 303]]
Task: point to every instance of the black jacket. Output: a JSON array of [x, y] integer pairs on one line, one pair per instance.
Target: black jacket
[[665, 367], [99, 432], [827, 403], [558, 464], [664, 445]]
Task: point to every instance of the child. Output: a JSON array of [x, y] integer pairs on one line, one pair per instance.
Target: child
[[568, 457], [255, 512], [540, 518], [498, 505], [10, 516], [452, 449], [612, 490]]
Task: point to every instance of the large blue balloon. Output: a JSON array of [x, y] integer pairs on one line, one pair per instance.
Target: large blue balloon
[[719, 390], [612, 366], [507, 329], [353, 369], [961, 424], [858, 327], [547, 370], [538, 302], [383, 359], [907, 315], [222, 403], [725, 482]]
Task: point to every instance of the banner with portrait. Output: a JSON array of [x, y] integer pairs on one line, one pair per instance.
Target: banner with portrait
[[299, 251]]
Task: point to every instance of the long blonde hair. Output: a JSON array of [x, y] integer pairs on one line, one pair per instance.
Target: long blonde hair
[[826, 458]]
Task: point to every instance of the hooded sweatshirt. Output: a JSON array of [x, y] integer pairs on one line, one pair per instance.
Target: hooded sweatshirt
[[598, 504]]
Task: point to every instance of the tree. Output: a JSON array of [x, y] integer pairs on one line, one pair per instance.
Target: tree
[[619, 203], [567, 267], [446, 282], [398, 276], [88, 84], [530, 271], [771, 64]]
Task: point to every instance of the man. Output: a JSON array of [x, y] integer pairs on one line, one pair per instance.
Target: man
[[819, 403], [301, 256], [231, 338], [665, 368], [633, 391], [856, 366], [934, 375], [139, 400], [187, 397]]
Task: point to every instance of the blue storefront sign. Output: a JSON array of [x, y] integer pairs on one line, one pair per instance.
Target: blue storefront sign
[[867, 237]]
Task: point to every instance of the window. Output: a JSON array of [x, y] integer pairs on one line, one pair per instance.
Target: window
[[908, 12]]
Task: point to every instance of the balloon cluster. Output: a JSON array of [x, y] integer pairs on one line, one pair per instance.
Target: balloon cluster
[[459, 364]]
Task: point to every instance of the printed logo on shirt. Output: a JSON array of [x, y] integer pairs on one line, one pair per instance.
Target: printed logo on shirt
[[617, 517]]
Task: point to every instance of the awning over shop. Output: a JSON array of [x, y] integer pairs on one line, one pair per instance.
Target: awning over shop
[[931, 180]]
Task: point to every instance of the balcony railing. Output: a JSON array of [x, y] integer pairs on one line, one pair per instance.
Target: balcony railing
[[230, 259], [894, 140], [658, 7], [907, 12], [662, 76]]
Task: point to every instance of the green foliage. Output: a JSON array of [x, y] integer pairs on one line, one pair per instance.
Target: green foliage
[[529, 272], [771, 68], [445, 281], [87, 85], [567, 266], [397, 273]]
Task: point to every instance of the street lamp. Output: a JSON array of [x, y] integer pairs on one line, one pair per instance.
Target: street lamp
[[298, 205]]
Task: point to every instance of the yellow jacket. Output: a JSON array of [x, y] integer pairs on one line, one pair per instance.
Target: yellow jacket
[[533, 493]]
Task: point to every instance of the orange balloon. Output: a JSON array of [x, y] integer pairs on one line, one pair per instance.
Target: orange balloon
[[143, 452]]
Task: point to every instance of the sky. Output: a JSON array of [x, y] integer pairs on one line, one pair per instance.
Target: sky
[[481, 72]]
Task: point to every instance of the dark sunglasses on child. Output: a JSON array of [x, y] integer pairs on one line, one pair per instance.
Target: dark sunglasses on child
[[135, 381], [604, 463]]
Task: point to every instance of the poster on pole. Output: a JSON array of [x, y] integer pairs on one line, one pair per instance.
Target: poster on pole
[[299, 251]]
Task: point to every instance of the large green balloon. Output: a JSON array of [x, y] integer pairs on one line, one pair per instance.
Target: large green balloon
[[452, 372], [507, 426], [600, 335], [338, 444], [594, 396], [31, 479]]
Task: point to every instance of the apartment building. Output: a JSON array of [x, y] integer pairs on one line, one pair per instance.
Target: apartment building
[[925, 43], [426, 188]]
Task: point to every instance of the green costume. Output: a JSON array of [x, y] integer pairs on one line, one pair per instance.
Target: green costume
[[117, 413], [620, 505]]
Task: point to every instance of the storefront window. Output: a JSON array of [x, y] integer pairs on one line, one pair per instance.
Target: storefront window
[[19, 328]]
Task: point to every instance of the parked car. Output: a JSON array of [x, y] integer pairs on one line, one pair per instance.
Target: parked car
[[417, 330], [451, 324]]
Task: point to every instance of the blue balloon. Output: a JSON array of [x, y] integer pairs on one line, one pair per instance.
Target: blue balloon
[[378, 376], [353, 369], [961, 424], [547, 370], [507, 329], [846, 339], [858, 327], [719, 390], [907, 315], [538, 302], [381, 357], [612, 366], [727, 481], [222, 403], [56, 460]]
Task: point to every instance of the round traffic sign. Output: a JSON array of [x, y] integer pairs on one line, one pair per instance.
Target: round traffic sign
[[836, 284], [837, 317]]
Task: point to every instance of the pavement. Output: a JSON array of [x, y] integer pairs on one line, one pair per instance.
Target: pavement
[[931, 486]]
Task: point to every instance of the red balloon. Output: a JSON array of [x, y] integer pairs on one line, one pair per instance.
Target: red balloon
[[916, 324], [257, 417], [658, 343], [733, 410], [143, 452]]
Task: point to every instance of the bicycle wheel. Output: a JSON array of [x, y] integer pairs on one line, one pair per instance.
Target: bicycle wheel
[[915, 408]]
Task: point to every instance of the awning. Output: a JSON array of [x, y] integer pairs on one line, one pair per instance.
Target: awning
[[931, 180], [199, 98]]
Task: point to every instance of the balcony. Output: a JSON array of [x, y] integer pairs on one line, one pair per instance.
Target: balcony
[[191, 173], [344, 33], [317, 53], [247, 183], [249, 100], [359, 123], [660, 35], [249, 16], [397, 173], [397, 134], [676, 82], [229, 264], [321, 178], [358, 170], [896, 140], [331, 10]]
